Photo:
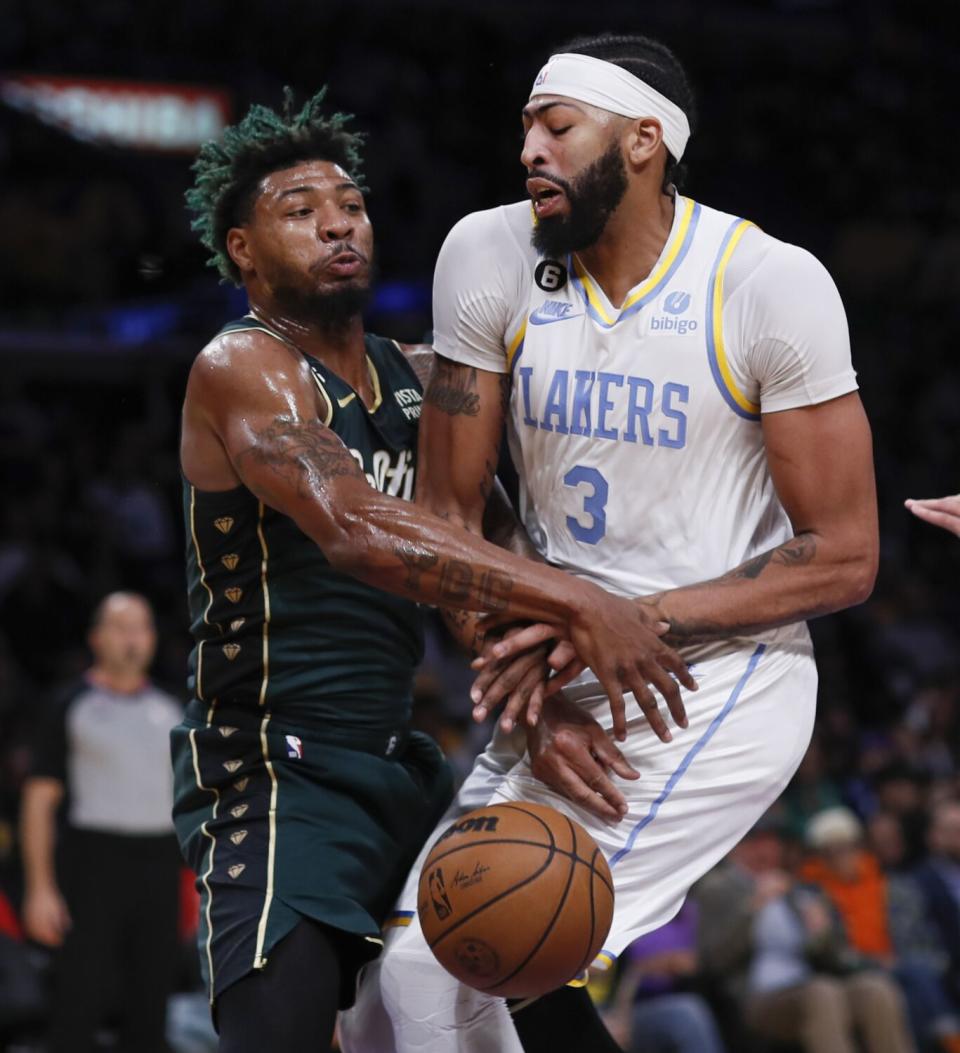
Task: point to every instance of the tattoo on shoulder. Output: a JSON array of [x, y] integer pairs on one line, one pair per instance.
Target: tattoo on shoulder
[[453, 389], [302, 452]]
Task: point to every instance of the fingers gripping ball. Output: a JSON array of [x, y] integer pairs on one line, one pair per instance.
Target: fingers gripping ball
[[515, 899]]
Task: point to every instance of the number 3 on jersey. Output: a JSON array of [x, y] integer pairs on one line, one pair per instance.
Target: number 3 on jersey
[[594, 504]]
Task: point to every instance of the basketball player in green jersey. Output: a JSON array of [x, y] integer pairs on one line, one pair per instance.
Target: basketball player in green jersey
[[301, 794]]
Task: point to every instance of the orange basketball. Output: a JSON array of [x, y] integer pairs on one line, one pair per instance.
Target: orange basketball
[[515, 899]]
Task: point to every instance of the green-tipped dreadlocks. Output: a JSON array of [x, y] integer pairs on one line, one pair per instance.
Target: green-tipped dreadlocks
[[229, 170]]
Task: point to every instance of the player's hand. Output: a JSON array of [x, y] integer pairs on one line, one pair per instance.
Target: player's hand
[[45, 917], [523, 679], [519, 678], [620, 641], [573, 755], [941, 511]]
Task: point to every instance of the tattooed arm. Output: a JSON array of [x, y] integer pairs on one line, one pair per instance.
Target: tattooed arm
[[460, 428], [251, 418], [821, 461]]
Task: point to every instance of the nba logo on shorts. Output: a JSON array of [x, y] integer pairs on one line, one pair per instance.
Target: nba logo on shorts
[[294, 747]]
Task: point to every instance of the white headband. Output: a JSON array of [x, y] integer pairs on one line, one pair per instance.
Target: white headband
[[613, 88]]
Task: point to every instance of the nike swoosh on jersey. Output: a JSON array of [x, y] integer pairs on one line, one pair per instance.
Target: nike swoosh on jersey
[[346, 400], [536, 318]]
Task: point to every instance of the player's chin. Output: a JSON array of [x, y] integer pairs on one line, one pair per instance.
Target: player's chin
[[332, 285]]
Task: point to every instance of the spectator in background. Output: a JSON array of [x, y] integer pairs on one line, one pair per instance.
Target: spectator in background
[[779, 957], [811, 790], [901, 789], [105, 889], [654, 1010], [883, 919], [887, 841], [941, 511], [938, 878]]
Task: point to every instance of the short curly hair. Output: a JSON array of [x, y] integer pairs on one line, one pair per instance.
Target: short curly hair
[[228, 170]]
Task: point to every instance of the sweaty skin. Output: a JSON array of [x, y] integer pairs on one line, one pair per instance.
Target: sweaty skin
[[252, 416]]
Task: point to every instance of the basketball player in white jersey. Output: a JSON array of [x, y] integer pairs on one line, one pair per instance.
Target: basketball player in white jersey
[[683, 416]]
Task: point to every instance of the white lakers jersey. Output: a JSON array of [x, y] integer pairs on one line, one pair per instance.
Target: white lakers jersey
[[636, 430]]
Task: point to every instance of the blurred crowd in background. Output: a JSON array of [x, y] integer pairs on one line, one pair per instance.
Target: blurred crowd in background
[[825, 121]]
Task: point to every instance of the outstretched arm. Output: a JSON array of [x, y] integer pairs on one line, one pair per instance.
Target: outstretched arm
[[256, 397]]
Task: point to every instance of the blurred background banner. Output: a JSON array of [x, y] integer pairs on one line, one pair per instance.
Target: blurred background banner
[[138, 115]]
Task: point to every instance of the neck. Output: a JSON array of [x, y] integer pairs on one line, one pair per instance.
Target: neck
[[340, 347], [122, 681], [631, 242]]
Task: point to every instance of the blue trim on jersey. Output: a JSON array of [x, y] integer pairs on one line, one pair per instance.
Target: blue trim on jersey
[[718, 377], [691, 754], [647, 297]]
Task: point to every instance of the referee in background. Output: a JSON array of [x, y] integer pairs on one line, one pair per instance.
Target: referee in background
[[101, 877]]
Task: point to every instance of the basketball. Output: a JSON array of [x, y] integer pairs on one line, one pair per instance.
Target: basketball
[[515, 899]]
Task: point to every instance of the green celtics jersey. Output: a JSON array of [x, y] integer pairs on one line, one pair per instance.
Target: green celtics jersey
[[276, 627]]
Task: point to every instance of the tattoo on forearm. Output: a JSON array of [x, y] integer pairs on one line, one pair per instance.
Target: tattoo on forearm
[[465, 628], [302, 452], [456, 580], [495, 589], [417, 560], [459, 584], [456, 618], [797, 552], [452, 389], [684, 632]]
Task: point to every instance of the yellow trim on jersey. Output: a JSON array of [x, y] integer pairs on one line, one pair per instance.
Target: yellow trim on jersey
[[205, 879], [717, 322], [603, 961], [266, 604], [203, 582], [655, 277], [258, 960], [514, 346], [375, 381], [326, 398]]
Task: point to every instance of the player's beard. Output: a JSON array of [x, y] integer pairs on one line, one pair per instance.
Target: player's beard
[[331, 307], [592, 196]]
